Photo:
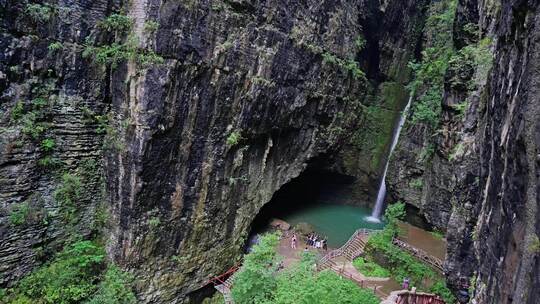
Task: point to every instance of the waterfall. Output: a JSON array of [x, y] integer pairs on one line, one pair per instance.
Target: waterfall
[[377, 210]]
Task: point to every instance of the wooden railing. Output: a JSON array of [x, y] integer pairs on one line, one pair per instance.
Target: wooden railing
[[420, 254], [326, 261], [408, 297]]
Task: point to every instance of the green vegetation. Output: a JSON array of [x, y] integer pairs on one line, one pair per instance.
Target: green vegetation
[[67, 195], [462, 70], [33, 117], [117, 23], [428, 82], [360, 43], [77, 274], [370, 268], [48, 144], [19, 214], [114, 53], [17, 111], [234, 138], [55, 46], [49, 162], [437, 234], [259, 282], [457, 151], [534, 245], [349, 65], [417, 183], [39, 12], [114, 288], [400, 263], [151, 27], [154, 222]]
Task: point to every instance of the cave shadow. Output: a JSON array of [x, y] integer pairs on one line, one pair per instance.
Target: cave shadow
[[310, 188]]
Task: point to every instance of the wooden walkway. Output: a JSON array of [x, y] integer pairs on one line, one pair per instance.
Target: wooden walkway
[[352, 249], [349, 251], [436, 263], [409, 297]]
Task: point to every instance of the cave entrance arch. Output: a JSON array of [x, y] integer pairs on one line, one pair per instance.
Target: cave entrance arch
[[321, 198]]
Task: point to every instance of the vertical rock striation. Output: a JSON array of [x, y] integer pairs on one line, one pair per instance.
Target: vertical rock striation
[[250, 94]]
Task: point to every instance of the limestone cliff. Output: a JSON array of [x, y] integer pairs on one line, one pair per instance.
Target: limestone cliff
[[181, 119], [481, 182], [200, 110]]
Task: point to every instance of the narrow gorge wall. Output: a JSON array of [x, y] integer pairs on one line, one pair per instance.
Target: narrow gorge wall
[[480, 183], [50, 141]]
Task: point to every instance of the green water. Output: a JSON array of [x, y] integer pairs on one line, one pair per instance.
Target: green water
[[337, 222]]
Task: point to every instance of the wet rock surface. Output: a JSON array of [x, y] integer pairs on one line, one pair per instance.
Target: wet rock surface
[[250, 94]]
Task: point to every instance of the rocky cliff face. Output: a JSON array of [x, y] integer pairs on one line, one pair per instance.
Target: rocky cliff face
[[482, 182], [49, 142], [249, 96], [506, 234], [201, 111]]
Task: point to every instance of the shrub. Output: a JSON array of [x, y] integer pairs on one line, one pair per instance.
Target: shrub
[[75, 275], [360, 43], [154, 222], [259, 282], [48, 144], [311, 287], [400, 263], [417, 183], [151, 26], [114, 289], [49, 162], [442, 290], [256, 282], [31, 126], [19, 214], [55, 46], [17, 111], [234, 138], [116, 23], [69, 278], [39, 12], [67, 194], [115, 53], [370, 269]]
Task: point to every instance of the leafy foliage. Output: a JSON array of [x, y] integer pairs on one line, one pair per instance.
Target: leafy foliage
[[19, 214], [259, 282], [55, 46], [234, 138], [256, 282], [39, 12], [67, 279], [67, 195], [400, 263], [369, 268], [73, 277], [116, 23], [114, 53], [48, 144], [151, 26], [112, 290], [428, 82]]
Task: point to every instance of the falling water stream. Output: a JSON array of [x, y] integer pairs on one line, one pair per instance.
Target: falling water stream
[[377, 210]]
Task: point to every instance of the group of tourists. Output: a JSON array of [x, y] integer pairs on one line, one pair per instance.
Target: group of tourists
[[316, 241], [312, 240]]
